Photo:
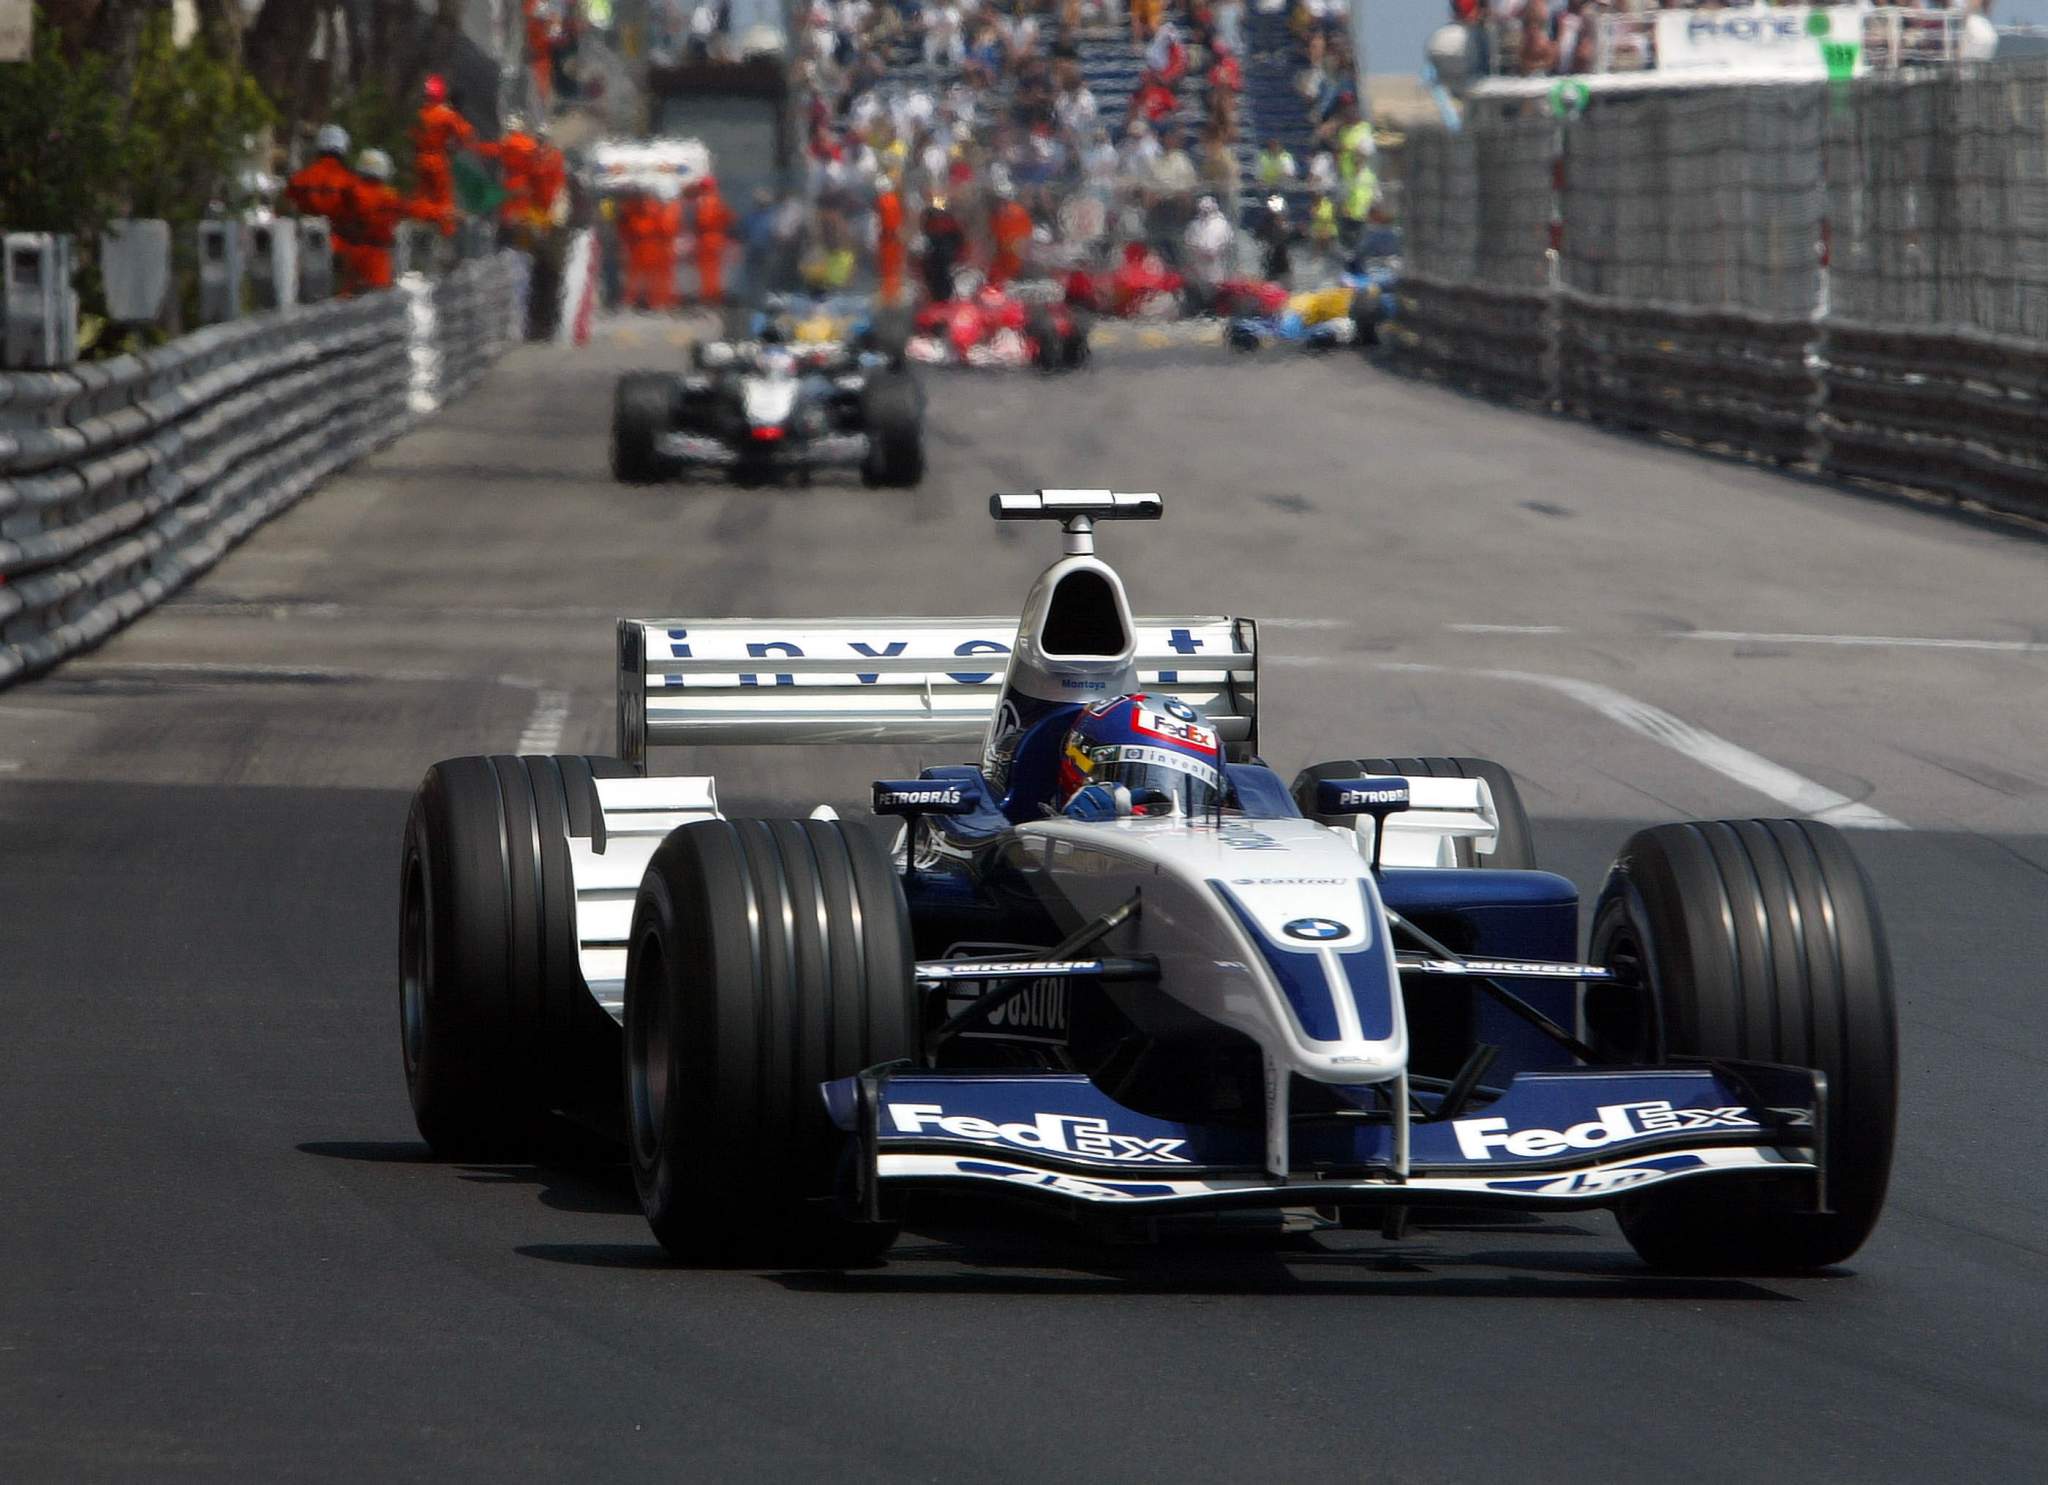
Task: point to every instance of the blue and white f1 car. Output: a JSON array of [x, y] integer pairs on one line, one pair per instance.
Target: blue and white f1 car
[[1355, 996]]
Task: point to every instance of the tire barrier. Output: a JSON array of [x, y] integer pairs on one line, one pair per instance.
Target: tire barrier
[[121, 481], [1499, 342], [1962, 413], [1715, 377], [1849, 277]]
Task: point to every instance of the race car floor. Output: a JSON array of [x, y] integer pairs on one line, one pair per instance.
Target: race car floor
[[226, 1253]]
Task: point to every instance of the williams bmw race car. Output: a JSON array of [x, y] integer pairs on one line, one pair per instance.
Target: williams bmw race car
[[764, 409], [1114, 963]]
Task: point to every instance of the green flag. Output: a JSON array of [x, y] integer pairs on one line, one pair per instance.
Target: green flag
[[477, 191]]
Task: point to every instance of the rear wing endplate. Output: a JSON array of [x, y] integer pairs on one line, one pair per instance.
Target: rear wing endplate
[[695, 682]]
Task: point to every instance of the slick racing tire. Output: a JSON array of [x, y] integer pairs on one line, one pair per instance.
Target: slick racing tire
[[1052, 348], [1758, 940], [892, 407], [767, 957], [888, 334], [643, 408], [1365, 319], [1515, 846], [496, 1027], [1074, 346]]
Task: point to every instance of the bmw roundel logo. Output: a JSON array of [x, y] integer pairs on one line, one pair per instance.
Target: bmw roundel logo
[[1314, 928], [1175, 707]]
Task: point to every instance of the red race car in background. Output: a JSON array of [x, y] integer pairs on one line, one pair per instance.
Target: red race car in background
[[989, 327]]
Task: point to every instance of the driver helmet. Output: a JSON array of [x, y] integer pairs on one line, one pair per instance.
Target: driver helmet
[[1157, 747], [331, 140]]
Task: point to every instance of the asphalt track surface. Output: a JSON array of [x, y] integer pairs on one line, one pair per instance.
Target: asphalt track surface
[[224, 1251]]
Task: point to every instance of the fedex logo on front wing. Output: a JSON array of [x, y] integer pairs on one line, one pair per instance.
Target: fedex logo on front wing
[[1075, 1136], [1478, 1139]]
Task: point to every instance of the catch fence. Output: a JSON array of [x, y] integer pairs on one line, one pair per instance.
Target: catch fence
[[1853, 275]]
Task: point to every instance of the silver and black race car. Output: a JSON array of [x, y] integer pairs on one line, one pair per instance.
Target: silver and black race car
[[1348, 999], [763, 410]]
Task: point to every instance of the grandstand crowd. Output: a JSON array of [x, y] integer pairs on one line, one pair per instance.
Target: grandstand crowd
[[951, 134]]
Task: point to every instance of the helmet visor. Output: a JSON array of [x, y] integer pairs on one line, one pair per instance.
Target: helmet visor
[[1161, 781]]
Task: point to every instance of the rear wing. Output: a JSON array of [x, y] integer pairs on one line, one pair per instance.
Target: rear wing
[[694, 682]]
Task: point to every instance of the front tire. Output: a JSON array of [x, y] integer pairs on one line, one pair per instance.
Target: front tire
[[1514, 845], [892, 408], [767, 957], [496, 1027], [643, 408], [1758, 940]]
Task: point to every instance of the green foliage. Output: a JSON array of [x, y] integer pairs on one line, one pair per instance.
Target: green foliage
[[61, 141], [74, 151], [375, 119], [192, 122]]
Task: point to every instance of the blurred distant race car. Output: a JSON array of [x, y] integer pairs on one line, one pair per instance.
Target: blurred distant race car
[[991, 327], [1140, 285], [849, 320], [764, 409], [1347, 312]]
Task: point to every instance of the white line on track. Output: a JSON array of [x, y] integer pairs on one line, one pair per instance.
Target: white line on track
[[543, 732], [1745, 636], [1731, 760], [1871, 641], [230, 671], [10, 765]]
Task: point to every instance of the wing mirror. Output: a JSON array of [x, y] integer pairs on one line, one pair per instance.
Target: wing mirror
[[1379, 798]]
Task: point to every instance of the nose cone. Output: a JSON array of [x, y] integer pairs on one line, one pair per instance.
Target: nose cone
[[1323, 947]]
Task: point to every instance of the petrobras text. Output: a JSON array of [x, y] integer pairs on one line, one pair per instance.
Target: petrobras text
[[918, 796], [1364, 797], [1479, 1139], [1073, 1136]]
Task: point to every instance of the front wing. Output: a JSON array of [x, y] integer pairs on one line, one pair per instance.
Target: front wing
[[1579, 1137]]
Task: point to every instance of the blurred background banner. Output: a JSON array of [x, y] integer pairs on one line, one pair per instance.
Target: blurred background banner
[[17, 28]]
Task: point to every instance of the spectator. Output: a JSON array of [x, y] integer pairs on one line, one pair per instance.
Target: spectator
[[945, 245], [1322, 171], [1219, 169], [1207, 245], [1225, 82], [1153, 102], [757, 244], [1171, 198], [1275, 167]]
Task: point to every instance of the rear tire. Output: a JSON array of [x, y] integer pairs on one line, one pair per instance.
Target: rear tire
[[892, 408], [1365, 319], [1758, 940], [888, 333], [1074, 347], [496, 1027], [643, 408], [767, 957], [1515, 846]]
